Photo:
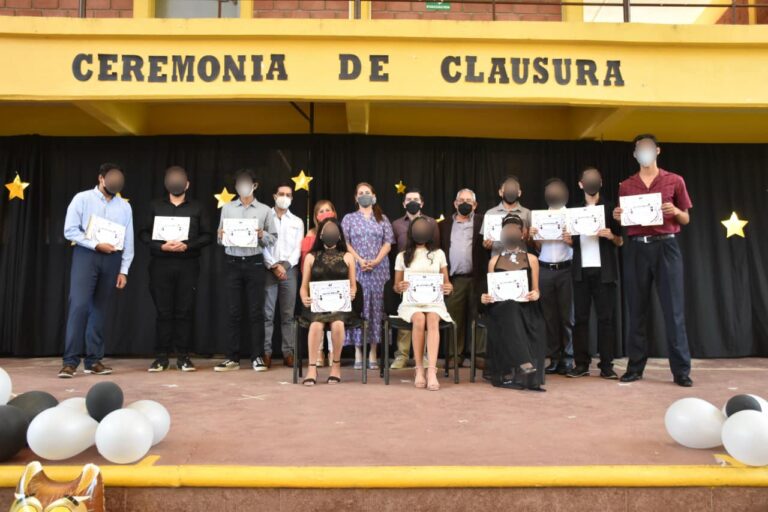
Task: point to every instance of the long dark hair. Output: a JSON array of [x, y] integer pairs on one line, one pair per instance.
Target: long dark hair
[[320, 246], [377, 213], [410, 245]]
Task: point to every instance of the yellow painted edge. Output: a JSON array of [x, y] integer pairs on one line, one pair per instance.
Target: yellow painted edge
[[246, 9], [144, 475], [143, 8]]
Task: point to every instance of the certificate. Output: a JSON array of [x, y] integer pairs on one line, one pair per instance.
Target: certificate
[[240, 233], [170, 228], [549, 223], [330, 296], [641, 210], [423, 288], [103, 231], [510, 285], [586, 221], [492, 227]]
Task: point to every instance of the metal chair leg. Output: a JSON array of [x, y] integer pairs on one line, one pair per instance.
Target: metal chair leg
[[472, 342], [297, 352], [455, 351], [365, 352], [387, 341]]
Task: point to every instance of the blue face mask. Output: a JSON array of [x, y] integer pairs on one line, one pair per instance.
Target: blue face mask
[[365, 201]]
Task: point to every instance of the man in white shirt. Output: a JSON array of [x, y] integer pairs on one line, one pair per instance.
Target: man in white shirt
[[556, 285], [282, 262]]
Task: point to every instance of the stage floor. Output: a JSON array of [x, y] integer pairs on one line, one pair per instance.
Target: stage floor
[[262, 419]]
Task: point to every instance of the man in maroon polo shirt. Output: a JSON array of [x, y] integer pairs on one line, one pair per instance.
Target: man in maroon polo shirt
[[654, 256]]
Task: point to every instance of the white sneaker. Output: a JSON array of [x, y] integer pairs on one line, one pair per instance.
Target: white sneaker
[[227, 366], [258, 365]]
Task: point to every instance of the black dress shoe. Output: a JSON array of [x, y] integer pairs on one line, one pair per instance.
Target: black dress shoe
[[683, 380], [578, 371], [609, 374], [552, 368], [564, 368], [631, 377]]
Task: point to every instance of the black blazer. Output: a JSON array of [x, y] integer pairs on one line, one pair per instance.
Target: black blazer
[[479, 254], [609, 261]]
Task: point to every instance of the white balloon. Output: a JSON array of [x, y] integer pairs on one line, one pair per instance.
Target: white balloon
[[5, 387], [694, 423], [157, 415], [745, 437], [124, 436], [77, 403], [59, 433], [763, 403]]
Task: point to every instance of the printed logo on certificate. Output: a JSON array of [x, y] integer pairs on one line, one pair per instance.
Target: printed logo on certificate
[[492, 227], [330, 296], [170, 228], [641, 210], [423, 288], [510, 285], [549, 223], [240, 233], [103, 231], [586, 221]]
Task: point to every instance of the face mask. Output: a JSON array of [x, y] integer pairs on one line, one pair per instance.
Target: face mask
[[465, 209], [645, 157], [113, 188], [330, 239], [413, 207], [421, 237], [365, 201], [326, 215], [511, 241], [244, 189], [176, 188], [591, 187], [511, 196], [554, 200], [283, 202]]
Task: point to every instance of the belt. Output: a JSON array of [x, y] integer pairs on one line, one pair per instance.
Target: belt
[[651, 238], [556, 266], [255, 258], [462, 275]]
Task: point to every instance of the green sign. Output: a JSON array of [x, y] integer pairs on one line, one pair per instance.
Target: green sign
[[438, 6]]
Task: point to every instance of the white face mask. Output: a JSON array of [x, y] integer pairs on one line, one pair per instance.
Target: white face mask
[[283, 202], [244, 189], [645, 157]]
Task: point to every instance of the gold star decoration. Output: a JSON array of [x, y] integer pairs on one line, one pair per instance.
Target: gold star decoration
[[123, 198], [400, 187], [301, 182], [441, 218], [224, 197], [734, 226], [16, 188]]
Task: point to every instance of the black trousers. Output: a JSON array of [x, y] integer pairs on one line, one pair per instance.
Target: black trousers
[[556, 288], [173, 286], [659, 262], [590, 289], [246, 274]]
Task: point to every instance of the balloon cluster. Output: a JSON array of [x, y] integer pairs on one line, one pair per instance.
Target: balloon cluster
[[58, 431], [741, 426]]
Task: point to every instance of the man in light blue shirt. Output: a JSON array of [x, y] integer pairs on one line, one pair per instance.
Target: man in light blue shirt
[[99, 265]]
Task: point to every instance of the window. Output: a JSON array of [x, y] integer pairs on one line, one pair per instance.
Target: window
[[197, 8]]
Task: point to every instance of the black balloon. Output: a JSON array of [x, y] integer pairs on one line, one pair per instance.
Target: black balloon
[[102, 399], [13, 431], [741, 403], [33, 403]]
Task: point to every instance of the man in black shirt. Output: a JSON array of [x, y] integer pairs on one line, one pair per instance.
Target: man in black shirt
[[595, 273], [174, 268]]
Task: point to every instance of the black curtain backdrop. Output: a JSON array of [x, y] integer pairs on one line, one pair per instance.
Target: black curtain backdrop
[[726, 279]]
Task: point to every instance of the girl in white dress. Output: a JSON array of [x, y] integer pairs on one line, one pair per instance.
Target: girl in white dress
[[422, 256]]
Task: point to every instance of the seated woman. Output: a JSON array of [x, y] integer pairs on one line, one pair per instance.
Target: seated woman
[[516, 331], [328, 261], [422, 256]]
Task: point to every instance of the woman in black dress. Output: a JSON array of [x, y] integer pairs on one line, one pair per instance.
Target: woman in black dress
[[328, 261], [516, 330]]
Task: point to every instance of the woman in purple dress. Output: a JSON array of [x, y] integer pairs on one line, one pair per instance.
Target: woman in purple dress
[[369, 238]]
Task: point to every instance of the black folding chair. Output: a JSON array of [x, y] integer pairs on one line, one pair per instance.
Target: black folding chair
[[478, 323], [392, 321]]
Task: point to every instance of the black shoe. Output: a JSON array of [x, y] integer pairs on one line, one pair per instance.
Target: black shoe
[[185, 364], [159, 365], [609, 374], [506, 384], [684, 381], [631, 377], [564, 368], [578, 371], [552, 368]]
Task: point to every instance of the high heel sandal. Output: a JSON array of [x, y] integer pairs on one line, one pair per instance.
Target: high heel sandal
[[420, 383], [333, 379], [434, 386], [526, 371], [308, 381]]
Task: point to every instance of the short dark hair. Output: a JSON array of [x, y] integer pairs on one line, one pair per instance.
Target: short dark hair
[[176, 168], [281, 185], [509, 177], [106, 167], [554, 180], [589, 168], [644, 136], [245, 172], [511, 218], [414, 191]]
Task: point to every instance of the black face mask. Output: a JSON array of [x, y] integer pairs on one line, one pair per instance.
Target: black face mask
[[511, 196], [422, 237], [176, 188], [330, 239], [113, 189], [511, 241], [412, 207], [554, 200], [464, 209], [591, 187]]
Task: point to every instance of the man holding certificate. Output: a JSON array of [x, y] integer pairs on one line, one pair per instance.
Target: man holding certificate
[[101, 226], [175, 229], [654, 256], [596, 235], [510, 193], [245, 229]]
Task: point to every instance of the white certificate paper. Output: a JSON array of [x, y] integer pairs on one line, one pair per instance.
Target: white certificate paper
[[240, 233], [103, 231], [330, 296], [423, 288], [586, 221], [170, 228], [549, 223], [510, 285], [492, 227], [641, 210]]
